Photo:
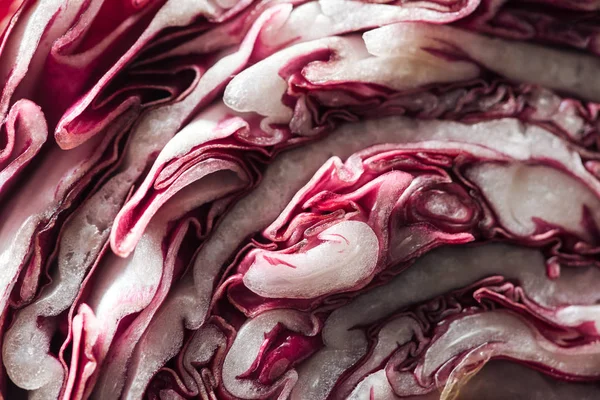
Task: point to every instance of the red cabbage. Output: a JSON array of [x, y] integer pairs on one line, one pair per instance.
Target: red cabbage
[[299, 199]]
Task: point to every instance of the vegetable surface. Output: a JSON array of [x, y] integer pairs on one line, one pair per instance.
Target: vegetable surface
[[294, 199]]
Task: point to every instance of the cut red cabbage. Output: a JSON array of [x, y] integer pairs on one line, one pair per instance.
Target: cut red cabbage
[[299, 199]]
